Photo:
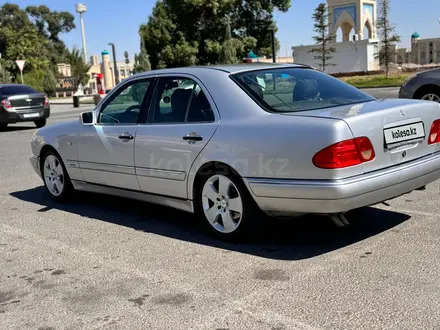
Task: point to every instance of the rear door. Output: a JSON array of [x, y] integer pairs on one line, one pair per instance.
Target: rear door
[[181, 121]]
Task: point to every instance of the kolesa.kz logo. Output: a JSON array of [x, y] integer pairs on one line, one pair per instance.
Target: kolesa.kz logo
[[408, 132]]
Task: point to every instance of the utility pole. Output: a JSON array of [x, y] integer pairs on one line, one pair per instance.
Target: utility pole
[[274, 59], [115, 67], [127, 60], [81, 9]]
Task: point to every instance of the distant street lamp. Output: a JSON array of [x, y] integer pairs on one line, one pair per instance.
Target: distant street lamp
[[115, 67], [81, 9]]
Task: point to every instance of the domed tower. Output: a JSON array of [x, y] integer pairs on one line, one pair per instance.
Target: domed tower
[[415, 48], [415, 37], [108, 79]]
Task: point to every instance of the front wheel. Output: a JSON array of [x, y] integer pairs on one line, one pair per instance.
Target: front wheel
[[431, 96], [225, 206], [55, 176], [40, 123]]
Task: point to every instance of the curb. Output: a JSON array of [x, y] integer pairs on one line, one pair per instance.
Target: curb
[[377, 87]]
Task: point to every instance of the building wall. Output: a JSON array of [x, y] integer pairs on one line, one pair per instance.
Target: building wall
[[64, 69], [422, 52], [124, 72], [350, 56]]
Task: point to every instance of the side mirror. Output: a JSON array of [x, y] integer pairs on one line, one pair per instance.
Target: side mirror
[[86, 118]]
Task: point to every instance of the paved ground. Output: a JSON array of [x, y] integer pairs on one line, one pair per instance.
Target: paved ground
[[99, 262], [390, 92]]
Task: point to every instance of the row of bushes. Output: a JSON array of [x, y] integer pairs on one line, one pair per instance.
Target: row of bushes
[[377, 72]]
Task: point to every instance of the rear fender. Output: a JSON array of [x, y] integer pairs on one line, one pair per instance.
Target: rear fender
[[274, 146]]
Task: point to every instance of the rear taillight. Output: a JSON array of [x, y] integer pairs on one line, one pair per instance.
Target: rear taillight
[[345, 154], [6, 104], [46, 101], [434, 133]]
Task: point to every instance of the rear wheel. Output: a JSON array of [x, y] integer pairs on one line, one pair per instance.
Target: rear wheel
[[40, 123], [3, 126], [225, 206], [55, 176]]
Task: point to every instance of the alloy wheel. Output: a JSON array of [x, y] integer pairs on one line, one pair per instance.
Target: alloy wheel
[[53, 175], [222, 204], [431, 97]]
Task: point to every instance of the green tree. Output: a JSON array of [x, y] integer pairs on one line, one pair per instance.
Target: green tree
[[34, 79], [80, 69], [191, 32], [51, 24], [5, 76], [141, 60], [26, 44], [33, 35], [228, 51], [387, 35], [323, 38], [49, 83]]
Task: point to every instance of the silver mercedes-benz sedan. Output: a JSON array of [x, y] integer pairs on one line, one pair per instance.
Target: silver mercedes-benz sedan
[[226, 142]]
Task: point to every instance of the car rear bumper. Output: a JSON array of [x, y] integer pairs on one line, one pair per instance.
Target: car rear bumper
[[35, 162], [284, 197], [24, 115]]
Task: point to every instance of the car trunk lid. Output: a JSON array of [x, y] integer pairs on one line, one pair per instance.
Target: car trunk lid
[[398, 129], [23, 101]]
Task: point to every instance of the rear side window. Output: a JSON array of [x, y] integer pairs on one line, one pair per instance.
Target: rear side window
[[298, 89], [180, 100], [16, 90]]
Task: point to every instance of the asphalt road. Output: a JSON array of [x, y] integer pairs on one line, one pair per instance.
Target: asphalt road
[[383, 93], [100, 262]]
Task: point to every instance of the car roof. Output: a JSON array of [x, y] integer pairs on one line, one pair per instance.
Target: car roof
[[234, 68], [226, 68], [12, 85]]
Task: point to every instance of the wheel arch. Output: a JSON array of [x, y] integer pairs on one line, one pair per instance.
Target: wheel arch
[[425, 89], [208, 167], [44, 150]]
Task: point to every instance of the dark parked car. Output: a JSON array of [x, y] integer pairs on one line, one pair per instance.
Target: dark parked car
[[422, 85], [21, 103]]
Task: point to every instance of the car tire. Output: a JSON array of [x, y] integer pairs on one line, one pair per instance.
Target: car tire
[[40, 123], [225, 207], [3, 126], [55, 176]]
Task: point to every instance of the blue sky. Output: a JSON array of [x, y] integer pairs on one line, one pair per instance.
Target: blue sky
[[118, 21]]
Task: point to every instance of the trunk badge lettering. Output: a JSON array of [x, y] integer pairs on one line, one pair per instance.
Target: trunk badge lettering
[[402, 113], [404, 154]]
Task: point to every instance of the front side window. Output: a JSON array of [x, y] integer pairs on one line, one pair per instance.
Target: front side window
[[124, 107], [180, 100], [298, 89]]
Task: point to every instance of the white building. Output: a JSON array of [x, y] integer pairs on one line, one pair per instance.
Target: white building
[[353, 25]]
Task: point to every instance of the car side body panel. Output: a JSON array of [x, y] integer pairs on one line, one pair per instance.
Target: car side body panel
[[274, 146], [62, 137]]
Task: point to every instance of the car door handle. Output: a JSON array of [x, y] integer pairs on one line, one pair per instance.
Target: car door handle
[[192, 137], [126, 136]]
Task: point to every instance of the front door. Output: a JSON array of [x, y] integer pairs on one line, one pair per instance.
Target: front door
[[181, 121], [106, 149]]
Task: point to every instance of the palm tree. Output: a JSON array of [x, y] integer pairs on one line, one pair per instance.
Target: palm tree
[[80, 69]]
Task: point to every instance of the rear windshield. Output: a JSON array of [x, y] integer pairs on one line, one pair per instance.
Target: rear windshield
[[16, 90], [298, 89]]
